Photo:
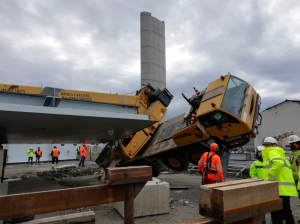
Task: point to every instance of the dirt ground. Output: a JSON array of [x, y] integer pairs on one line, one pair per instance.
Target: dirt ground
[[183, 203]]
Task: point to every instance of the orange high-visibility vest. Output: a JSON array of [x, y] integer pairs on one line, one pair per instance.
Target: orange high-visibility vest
[[39, 152], [83, 151], [214, 169], [55, 153]]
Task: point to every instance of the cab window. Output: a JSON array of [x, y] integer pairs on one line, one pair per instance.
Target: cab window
[[125, 141], [233, 100], [117, 145]]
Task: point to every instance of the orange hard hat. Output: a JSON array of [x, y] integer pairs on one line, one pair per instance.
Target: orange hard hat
[[214, 147]]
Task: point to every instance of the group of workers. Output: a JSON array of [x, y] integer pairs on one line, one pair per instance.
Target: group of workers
[[81, 152], [38, 154], [271, 164]]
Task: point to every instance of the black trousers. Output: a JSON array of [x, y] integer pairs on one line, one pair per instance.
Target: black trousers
[[38, 159], [82, 161], [296, 182], [54, 159], [30, 159], [284, 214]]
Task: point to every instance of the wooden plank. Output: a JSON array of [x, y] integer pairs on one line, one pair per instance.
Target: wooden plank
[[129, 204], [49, 201], [255, 211], [83, 217], [206, 190], [200, 221], [117, 173], [236, 196], [244, 214], [130, 180]]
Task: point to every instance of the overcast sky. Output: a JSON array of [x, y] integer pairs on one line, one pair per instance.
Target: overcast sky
[[94, 45]]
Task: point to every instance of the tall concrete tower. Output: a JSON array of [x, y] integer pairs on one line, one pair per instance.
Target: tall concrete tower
[[153, 48]]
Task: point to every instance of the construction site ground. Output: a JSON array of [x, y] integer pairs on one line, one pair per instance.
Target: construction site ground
[[183, 201]]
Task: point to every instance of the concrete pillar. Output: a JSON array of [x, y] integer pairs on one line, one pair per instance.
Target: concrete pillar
[[153, 56], [225, 162], [152, 200], [96, 150]]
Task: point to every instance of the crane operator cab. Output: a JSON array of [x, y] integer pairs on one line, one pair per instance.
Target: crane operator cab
[[229, 111], [227, 114]]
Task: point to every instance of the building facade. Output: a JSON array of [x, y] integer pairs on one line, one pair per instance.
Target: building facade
[[280, 121]]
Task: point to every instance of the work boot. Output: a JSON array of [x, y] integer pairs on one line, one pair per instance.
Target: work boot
[[52, 168]]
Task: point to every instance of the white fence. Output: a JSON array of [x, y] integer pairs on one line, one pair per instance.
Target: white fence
[[17, 153]]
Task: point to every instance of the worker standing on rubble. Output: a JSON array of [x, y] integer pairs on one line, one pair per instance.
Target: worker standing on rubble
[[78, 152], [294, 143], [55, 154], [256, 169], [38, 154], [83, 155], [277, 168], [210, 166], [30, 155]]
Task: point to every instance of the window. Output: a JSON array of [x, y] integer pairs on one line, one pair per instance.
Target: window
[[125, 141], [117, 145], [233, 100]]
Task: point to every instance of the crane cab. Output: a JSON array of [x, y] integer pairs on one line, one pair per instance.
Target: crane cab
[[229, 111]]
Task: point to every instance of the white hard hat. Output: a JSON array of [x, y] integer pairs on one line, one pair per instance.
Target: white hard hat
[[260, 148], [270, 140], [294, 138], [30, 147]]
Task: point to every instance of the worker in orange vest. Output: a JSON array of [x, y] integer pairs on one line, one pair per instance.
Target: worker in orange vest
[[83, 154], [210, 166], [55, 154], [38, 154]]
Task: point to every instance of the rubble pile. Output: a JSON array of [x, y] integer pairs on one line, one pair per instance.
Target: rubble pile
[[69, 172], [180, 202]]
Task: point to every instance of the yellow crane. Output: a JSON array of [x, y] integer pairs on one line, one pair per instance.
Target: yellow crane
[[226, 112]]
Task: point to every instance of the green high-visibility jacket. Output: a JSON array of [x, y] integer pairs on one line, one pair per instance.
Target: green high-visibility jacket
[[256, 169], [298, 187], [277, 168], [78, 149], [30, 153], [295, 162]]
